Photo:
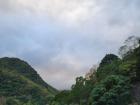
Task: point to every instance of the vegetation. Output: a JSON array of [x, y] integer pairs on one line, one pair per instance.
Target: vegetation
[[114, 90], [20, 84], [111, 83], [114, 82]]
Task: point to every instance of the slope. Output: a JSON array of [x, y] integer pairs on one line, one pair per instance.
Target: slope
[[20, 83]]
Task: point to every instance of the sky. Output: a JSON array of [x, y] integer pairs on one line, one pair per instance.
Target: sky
[[63, 39]]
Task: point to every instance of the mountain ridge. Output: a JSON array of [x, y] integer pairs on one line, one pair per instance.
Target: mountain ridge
[[18, 79]]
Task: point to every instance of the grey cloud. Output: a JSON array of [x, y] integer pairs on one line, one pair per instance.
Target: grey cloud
[[60, 50]]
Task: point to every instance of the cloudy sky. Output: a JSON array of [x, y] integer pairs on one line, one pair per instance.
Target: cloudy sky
[[62, 39]]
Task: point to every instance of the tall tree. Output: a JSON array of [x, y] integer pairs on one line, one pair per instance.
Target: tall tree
[[130, 44], [108, 59]]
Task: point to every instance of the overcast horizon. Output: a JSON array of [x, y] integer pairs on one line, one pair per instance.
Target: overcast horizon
[[63, 39]]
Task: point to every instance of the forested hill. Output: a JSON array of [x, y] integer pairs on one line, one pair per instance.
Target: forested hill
[[116, 81], [20, 83]]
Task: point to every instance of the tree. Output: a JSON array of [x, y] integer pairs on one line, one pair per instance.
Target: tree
[[130, 44], [78, 89], [91, 75], [108, 59], [108, 66], [114, 90]]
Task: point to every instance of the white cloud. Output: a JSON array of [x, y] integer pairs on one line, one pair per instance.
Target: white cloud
[[68, 11]]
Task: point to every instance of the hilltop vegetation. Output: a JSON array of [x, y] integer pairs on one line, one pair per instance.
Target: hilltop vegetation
[[20, 84], [115, 82]]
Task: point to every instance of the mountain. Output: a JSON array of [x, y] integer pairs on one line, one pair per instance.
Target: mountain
[[20, 83]]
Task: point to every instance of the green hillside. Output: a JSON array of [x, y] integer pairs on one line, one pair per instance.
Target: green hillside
[[20, 84], [116, 81]]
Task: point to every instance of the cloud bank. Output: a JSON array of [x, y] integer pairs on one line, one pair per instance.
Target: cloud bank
[[62, 39]]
